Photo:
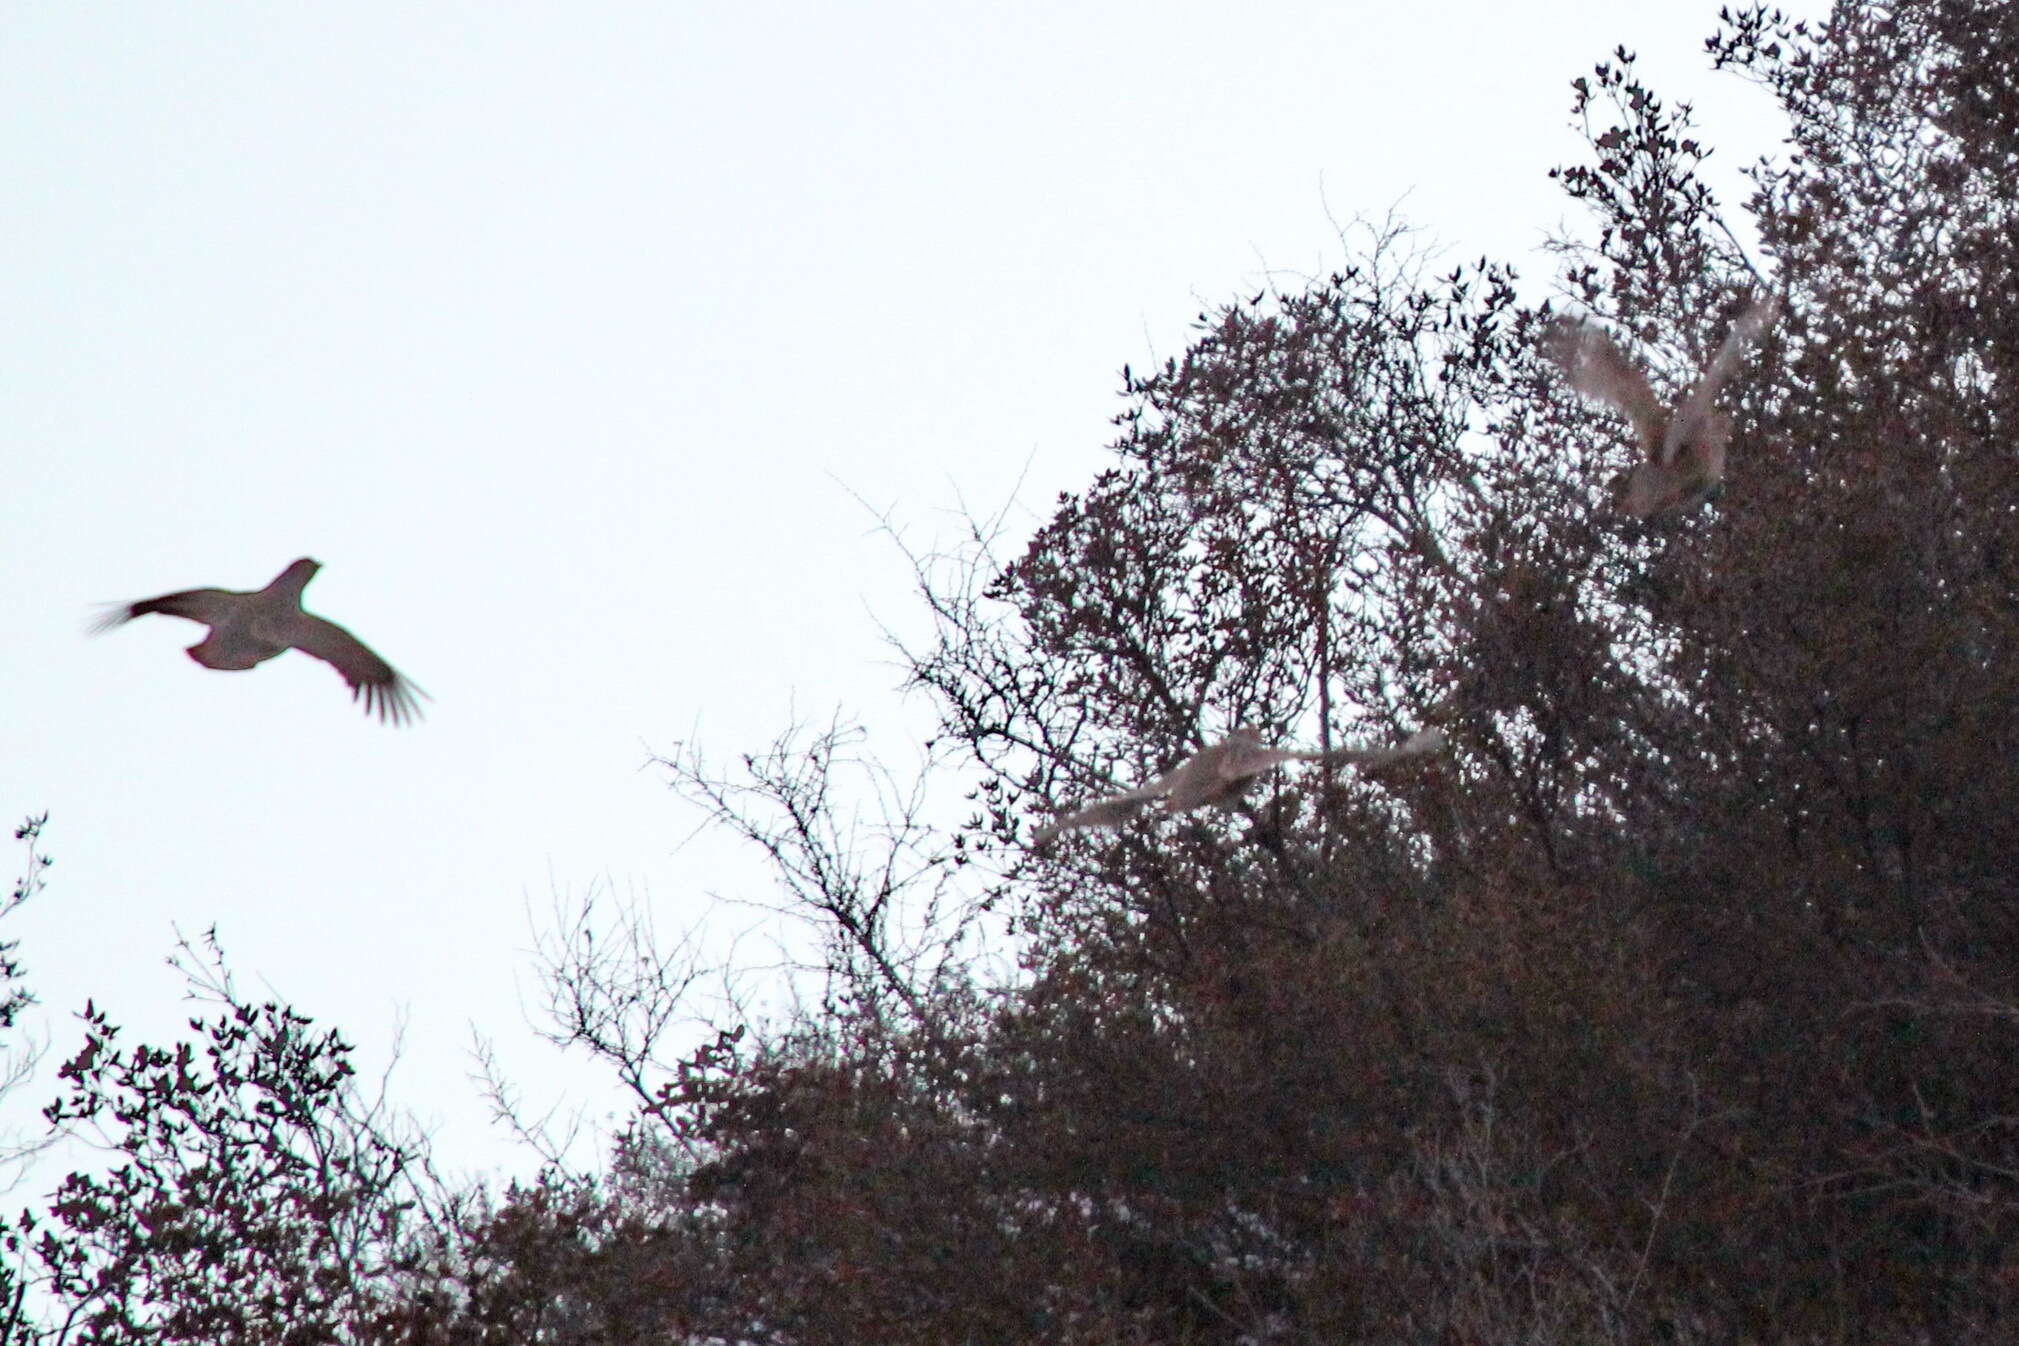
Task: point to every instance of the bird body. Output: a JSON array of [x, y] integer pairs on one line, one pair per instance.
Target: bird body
[[1219, 774], [1683, 449], [248, 628]]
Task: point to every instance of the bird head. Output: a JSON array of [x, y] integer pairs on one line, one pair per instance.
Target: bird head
[[296, 577]]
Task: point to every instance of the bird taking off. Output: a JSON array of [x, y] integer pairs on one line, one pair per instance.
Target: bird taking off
[[1220, 774], [1684, 447], [251, 628]]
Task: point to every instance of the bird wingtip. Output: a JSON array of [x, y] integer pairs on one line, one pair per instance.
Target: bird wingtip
[[108, 616], [1426, 740], [395, 703]]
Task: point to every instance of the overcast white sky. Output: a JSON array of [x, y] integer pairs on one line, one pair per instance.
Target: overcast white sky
[[552, 330]]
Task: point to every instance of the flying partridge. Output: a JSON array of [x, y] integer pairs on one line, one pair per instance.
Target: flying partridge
[[251, 628]]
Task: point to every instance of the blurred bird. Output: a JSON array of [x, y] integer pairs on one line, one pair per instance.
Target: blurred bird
[[1220, 774], [251, 628], [1685, 447]]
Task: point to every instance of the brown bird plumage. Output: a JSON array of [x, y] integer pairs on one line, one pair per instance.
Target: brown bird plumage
[[1684, 448], [1220, 774], [247, 629]]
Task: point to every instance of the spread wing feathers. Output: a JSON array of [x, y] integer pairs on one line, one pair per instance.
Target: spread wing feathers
[[1695, 409], [1218, 774], [1416, 745], [1595, 367], [1114, 810], [372, 680], [208, 606], [1104, 813]]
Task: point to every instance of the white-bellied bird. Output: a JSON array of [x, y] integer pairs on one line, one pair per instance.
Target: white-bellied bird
[[247, 629], [1683, 449], [1220, 774]]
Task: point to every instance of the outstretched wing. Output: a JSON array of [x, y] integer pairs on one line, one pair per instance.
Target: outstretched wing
[[1112, 811], [372, 680], [1416, 745], [208, 606], [1695, 409], [1103, 813], [1595, 367]]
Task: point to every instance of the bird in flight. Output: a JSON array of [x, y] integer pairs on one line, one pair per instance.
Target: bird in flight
[[251, 628], [1220, 774], [1684, 447]]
